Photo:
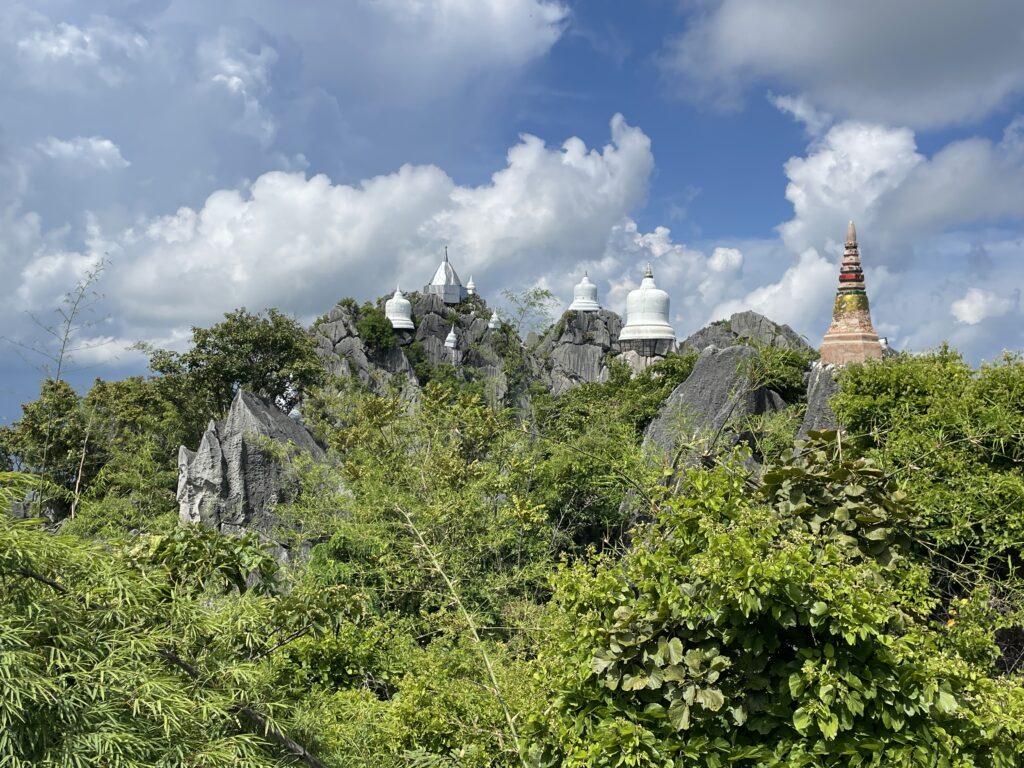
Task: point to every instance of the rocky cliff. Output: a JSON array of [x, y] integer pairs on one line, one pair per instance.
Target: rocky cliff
[[576, 349], [708, 411], [407, 359], [745, 327], [232, 482]]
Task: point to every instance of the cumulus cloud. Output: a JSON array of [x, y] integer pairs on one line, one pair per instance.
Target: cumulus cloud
[[301, 243], [920, 63], [920, 223], [94, 151], [977, 305]]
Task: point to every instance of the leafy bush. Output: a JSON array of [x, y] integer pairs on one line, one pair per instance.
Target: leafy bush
[[375, 329], [794, 632]]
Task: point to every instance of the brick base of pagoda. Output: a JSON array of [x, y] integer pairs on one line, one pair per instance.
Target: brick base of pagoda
[[844, 348], [852, 337]]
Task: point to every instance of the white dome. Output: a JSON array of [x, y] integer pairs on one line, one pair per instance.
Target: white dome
[[495, 322], [584, 296], [471, 287], [399, 311], [451, 339], [647, 312]]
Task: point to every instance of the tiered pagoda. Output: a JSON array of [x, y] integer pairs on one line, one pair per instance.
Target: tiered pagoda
[[851, 338]]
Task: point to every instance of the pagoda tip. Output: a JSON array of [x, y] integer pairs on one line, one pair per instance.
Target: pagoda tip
[[648, 272], [851, 233]]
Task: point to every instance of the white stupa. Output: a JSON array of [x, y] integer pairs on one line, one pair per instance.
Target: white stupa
[[451, 340], [446, 283], [495, 322], [647, 313], [399, 311], [471, 287], [584, 296]]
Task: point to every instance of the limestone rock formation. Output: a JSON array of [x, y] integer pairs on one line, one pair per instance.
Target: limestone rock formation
[[708, 408], [821, 386], [576, 348], [742, 326], [493, 356], [232, 482], [346, 354]]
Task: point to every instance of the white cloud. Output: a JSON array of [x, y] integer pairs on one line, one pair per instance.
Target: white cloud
[[226, 64], [94, 151], [845, 176], [977, 305], [301, 243], [800, 109], [59, 54], [797, 298], [921, 63]]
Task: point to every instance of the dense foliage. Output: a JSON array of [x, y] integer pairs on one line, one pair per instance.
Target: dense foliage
[[273, 356], [477, 593]]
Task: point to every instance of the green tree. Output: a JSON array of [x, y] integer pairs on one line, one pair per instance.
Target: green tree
[[271, 355], [532, 309], [51, 437], [794, 629]]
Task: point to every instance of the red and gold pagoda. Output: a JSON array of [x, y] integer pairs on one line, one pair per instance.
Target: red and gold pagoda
[[851, 338]]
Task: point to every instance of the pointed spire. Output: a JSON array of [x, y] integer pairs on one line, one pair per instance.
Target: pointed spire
[[852, 337], [648, 272], [446, 253]]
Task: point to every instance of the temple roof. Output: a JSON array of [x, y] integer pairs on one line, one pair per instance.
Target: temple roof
[[446, 274]]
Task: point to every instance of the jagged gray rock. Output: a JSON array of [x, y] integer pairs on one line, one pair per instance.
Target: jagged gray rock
[[708, 407], [232, 482], [821, 386], [346, 354], [576, 348], [745, 326], [481, 353]]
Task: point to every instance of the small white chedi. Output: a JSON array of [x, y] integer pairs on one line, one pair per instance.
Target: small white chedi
[[647, 313], [584, 296], [451, 340], [495, 322], [471, 287], [398, 310], [446, 283]]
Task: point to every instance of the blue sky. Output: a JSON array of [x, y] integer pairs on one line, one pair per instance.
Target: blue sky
[[265, 153]]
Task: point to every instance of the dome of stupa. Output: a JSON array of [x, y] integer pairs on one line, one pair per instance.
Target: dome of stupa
[[584, 296], [398, 310], [647, 315]]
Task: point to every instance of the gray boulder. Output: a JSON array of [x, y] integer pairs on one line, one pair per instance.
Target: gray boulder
[[232, 483], [706, 411], [575, 350], [745, 326], [821, 386]]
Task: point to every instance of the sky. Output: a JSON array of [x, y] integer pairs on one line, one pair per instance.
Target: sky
[[272, 153]]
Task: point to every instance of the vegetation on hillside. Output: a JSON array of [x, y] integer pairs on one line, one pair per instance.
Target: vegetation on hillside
[[479, 595]]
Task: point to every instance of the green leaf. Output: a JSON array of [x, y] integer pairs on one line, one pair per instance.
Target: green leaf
[[675, 650], [946, 703], [796, 685], [679, 715], [801, 721], [711, 698]]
